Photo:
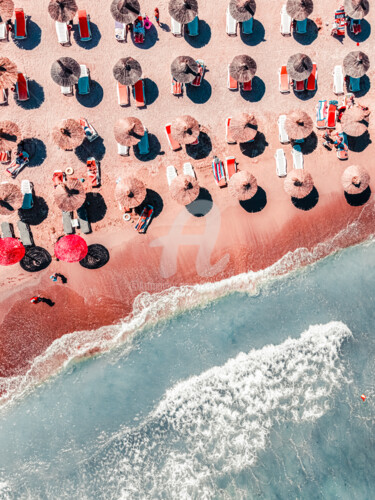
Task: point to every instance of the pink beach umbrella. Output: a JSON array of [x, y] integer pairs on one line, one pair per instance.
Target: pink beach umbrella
[[71, 248], [11, 251], [355, 179]]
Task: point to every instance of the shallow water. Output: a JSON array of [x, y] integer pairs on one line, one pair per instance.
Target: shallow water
[[247, 397]]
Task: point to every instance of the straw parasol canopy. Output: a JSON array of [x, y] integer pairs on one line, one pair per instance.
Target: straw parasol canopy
[[243, 127], [299, 9], [71, 248], [298, 184], [8, 73], [242, 68], [298, 125], [355, 179], [183, 11], [10, 135], [242, 10], [357, 9], [356, 64], [10, 198], [70, 195], [184, 189], [62, 11], [68, 134], [185, 129], [11, 251], [184, 69], [127, 71], [128, 131], [243, 185], [65, 71], [130, 192], [6, 9], [125, 11], [299, 67], [354, 122]]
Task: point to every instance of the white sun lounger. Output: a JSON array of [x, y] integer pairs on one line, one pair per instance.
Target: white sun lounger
[[189, 170], [67, 90], [84, 223], [286, 22], [280, 162], [338, 80], [297, 157], [176, 27], [25, 233], [171, 174], [283, 136], [62, 33], [3, 31], [231, 26], [67, 222], [122, 150], [7, 230]]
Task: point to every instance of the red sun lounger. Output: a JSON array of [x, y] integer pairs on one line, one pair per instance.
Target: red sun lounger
[[246, 86], [232, 83], [122, 94], [20, 31], [58, 177], [230, 166], [176, 87], [173, 144], [299, 86], [5, 156], [139, 94], [284, 81], [312, 79], [22, 88], [332, 114], [84, 26], [198, 79], [93, 172]]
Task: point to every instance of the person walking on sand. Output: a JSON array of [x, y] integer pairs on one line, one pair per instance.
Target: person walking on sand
[[156, 14], [35, 300]]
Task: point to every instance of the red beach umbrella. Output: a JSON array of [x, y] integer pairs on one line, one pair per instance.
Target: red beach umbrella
[[11, 251], [71, 248]]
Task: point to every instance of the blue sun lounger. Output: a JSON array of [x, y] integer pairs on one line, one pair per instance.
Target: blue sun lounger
[[143, 144], [193, 27], [354, 84], [301, 27], [247, 26]]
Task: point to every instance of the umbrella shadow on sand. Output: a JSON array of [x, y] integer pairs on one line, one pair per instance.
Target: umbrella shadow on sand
[[34, 36], [309, 37], [87, 149], [363, 35], [257, 35], [93, 98], [200, 150], [95, 206], [35, 259], [95, 37], [359, 144], [37, 214], [305, 95], [357, 200], [151, 37], [308, 202], [151, 90], [256, 203], [202, 38], [97, 257], [256, 147], [258, 89], [155, 200], [36, 99], [202, 205], [309, 144], [36, 149], [155, 149], [365, 86], [201, 94]]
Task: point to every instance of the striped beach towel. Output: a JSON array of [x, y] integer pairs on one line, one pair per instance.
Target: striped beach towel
[[219, 172], [321, 114]]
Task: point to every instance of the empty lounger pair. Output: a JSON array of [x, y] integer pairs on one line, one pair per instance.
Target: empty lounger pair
[[62, 33], [84, 26], [297, 157], [83, 220], [231, 24], [176, 27], [122, 94], [280, 163], [25, 234], [193, 27], [173, 144], [283, 136], [284, 81], [20, 28], [171, 174], [338, 80], [139, 94], [286, 22]]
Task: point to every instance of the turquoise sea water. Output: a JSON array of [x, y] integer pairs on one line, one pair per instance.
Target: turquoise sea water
[[247, 397]]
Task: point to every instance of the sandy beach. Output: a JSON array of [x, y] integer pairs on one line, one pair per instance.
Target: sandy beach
[[179, 247]]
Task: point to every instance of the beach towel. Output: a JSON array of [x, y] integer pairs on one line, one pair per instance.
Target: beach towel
[[219, 172], [321, 114]]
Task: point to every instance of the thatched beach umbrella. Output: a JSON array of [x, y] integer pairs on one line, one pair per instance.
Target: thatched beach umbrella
[[71, 248], [11, 251], [10, 135], [354, 122], [183, 11], [10, 198], [184, 69], [299, 184], [299, 67], [6, 9], [68, 134], [125, 11], [355, 179], [242, 68], [299, 9], [298, 125], [243, 127], [65, 71], [8, 73], [242, 10], [243, 185], [62, 11], [357, 9], [70, 195], [356, 64], [127, 71], [130, 192], [128, 131], [184, 189], [185, 129]]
